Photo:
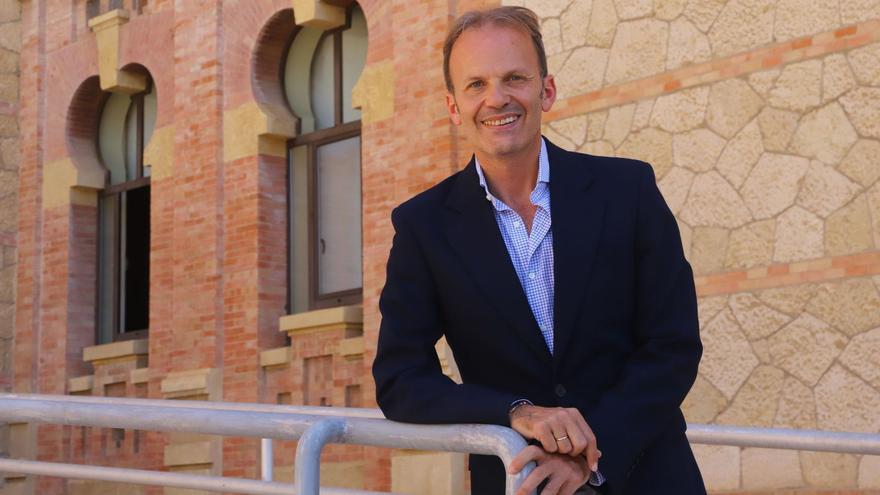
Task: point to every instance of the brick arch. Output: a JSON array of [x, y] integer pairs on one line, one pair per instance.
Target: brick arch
[[83, 117], [269, 53]]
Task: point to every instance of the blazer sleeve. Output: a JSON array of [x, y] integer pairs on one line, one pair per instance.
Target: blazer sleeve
[[647, 396], [410, 384]]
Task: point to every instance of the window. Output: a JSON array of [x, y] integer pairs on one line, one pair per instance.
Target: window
[[124, 217], [324, 166]]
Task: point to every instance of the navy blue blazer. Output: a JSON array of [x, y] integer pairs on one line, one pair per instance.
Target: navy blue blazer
[[625, 319]]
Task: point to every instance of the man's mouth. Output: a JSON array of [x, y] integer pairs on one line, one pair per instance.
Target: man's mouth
[[498, 122]]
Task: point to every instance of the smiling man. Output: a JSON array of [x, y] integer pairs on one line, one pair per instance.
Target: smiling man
[[558, 280]]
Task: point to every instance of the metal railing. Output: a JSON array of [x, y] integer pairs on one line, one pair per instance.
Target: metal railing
[[314, 427]]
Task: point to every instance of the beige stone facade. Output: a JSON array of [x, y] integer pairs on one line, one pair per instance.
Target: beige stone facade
[[762, 127]]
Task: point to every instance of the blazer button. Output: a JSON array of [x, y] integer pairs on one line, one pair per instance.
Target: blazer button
[[560, 390]]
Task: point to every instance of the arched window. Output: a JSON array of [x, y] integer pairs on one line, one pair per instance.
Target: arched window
[[324, 171], [126, 125]]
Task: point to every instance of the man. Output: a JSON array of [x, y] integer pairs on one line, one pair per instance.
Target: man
[[558, 280]]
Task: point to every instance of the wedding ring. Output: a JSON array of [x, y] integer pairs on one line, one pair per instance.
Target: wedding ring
[[562, 438]]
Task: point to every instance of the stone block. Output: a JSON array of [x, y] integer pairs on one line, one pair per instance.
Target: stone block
[[863, 105], [741, 25], [582, 71], [874, 206], [795, 18], [796, 409], [547, 8], [10, 36], [603, 24], [777, 127], [650, 145], [852, 11], [703, 402], [686, 233], [727, 358], [8, 126], [862, 356], [596, 125], [751, 245], [837, 77], [732, 104], [830, 470], [687, 45], [619, 123], [88, 487], [436, 473], [10, 11], [707, 251], [681, 111], [824, 190], [791, 300], [869, 472], [642, 117], [9, 88], [9, 218], [773, 184], [756, 319], [8, 182], [713, 203], [798, 87], [762, 81], [668, 10], [824, 134], [675, 186], [844, 402], [703, 12], [575, 25], [756, 401], [598, 148], [741, 154], [806, 348], [116, 350], [719, 465], [275, 357], [709, 307], [770, 469], [633, 9], [860, 164], [638, 50], [323, 319], [550, 133], [697, 150], [551, 32], [849, 229], [8, 62], [573, 128], [343, 474], [10, 153], [852, 306]]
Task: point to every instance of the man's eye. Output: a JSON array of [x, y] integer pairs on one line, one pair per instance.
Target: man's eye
[[475, 84]]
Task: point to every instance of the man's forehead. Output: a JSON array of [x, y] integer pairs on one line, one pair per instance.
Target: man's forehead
[[495, 48]]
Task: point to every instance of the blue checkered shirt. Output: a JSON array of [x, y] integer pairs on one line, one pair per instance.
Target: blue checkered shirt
[[531, 252]]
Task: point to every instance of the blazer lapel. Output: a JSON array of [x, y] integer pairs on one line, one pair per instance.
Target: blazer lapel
[[577, 226], [472, 231]]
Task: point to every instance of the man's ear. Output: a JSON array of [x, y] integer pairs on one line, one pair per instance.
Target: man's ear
[[452, 108], [548, 94]]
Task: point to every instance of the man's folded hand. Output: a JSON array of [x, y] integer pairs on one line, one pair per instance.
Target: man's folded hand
[[560, 430]]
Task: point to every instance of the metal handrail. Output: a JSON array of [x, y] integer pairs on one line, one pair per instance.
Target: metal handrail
[[316, 426], [171, 416]]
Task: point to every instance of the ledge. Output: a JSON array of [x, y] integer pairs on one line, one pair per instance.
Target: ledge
[[350, 347], [126, 350], [140, 375], [275, 357], [350, 318], [190, 382], [80, 384], [187, 454]]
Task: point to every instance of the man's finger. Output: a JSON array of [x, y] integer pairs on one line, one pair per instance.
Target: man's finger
[[525, 456], [545, 436], [576, 433], [563, 440], [533, 480]]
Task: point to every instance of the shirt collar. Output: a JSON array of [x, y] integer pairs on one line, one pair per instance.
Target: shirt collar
[[537, 196]]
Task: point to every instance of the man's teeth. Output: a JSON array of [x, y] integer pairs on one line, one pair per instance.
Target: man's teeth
[[503, 121]]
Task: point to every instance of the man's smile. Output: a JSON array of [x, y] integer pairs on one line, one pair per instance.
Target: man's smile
[[501, 121]]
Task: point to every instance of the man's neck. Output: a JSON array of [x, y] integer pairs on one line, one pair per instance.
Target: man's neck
[[512, 178]]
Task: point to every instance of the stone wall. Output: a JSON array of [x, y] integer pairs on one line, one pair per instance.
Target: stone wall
[[760, 118], [10, 46]]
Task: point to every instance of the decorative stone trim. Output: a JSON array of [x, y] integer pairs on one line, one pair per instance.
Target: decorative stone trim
[[67, 183], [374, 92], [106, 28], [249, 130], [318, 14], [191, 382], [80, 384], [351, 348], [350, 318], [159, 153], [139, 375], [126, 350], [188, 454], [275, 357]]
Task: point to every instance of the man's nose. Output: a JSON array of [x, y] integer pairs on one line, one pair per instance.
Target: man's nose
[[496, 97]]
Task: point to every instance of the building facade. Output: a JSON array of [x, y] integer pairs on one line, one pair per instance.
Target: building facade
[[204, 190]]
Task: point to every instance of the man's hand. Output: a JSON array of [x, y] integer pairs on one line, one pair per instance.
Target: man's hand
[[560, 430], [566, 473]]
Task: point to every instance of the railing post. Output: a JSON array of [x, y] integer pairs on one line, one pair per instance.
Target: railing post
[[267, 459], [307, 468]]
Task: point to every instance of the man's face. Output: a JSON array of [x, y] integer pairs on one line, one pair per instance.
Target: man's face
[[498, 90]]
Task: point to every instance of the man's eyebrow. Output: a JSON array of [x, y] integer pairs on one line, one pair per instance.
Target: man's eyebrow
[[518, 72]]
